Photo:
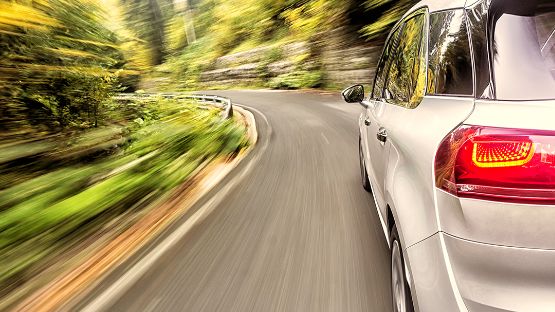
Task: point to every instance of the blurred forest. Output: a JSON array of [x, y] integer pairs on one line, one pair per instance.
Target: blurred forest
[[63, 59]]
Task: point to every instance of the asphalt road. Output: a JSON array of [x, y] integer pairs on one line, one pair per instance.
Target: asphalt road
[[297, 232]]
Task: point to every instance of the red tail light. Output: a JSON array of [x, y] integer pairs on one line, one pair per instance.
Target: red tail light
[[501, 164]]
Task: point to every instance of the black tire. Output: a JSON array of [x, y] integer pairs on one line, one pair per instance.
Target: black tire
[[363, 173], [400, 291]]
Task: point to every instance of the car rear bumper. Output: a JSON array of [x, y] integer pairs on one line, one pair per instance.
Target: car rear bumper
[[453, 274]]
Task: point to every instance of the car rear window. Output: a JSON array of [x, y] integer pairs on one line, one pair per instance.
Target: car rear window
[[522, 50]]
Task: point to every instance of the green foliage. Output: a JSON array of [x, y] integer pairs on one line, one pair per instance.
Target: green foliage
[[275, 54], [230, 26], [232, 22], [39, 214], [239, 21], [306, 18], [388, 12], [297, 79], [59, 63], [186, 67], [148, 23]]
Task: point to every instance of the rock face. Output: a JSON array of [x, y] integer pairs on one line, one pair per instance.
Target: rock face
[[246, 71], [281, 67], [340, 60], [346, 61]]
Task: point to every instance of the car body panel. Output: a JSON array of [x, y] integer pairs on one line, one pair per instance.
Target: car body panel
[[500, 223], [409, 180], [432, 287], [537, 115], [364, 146], [453, 274], [380, 152], [494, 278]]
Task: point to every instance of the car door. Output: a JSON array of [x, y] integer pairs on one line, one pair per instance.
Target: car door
[[400, 85], [376, 151]]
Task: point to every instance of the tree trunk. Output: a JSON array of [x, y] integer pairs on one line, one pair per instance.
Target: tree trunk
[[158, 53], [189, 23]]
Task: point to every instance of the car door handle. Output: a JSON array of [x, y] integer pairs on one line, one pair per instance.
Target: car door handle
[[367, 122], [382, 135]]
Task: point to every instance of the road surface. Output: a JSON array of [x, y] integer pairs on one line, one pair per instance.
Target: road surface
[[296, 233]]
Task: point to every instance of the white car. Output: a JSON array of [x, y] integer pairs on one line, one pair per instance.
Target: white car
[[457, 146]]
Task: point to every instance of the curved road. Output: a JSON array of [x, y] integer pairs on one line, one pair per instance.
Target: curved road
[[297, 233]]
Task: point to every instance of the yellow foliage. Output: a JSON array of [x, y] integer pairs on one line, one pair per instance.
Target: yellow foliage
[[78, 53], [17, 15], [97, 43], [176, 38], [314, 16]]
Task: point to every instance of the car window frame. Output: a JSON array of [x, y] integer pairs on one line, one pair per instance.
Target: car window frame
[[467, 25], [392, 36], [422, 45], [390, 40]]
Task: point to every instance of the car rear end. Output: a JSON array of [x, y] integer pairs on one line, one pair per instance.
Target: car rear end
[[495, 173]]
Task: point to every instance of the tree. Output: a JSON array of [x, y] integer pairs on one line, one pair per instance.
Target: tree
[[58, 64], [384, 14], [147, 21]]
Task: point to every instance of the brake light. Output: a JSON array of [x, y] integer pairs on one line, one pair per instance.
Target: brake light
[[490, 153], [500, 164]]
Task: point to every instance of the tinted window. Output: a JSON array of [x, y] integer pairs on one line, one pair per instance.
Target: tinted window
[[383, 65], [406, 77], [523, 58], [519, 62], [449, 63]]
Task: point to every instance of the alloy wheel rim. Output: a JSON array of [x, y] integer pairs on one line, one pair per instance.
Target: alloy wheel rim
[[397, 279]]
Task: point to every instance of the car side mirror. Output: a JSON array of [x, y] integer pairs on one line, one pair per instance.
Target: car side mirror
[[353, 94]]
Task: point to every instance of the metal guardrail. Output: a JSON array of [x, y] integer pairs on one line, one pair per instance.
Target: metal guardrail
[[215, 100]]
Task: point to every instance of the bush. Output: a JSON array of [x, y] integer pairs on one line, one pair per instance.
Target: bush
[[297, 80], [41, 214]]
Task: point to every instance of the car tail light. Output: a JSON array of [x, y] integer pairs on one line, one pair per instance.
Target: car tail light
[[500, 164]]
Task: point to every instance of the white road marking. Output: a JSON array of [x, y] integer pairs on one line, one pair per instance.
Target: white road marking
[[109, 296]]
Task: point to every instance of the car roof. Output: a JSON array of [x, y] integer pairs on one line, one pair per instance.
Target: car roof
[[436, 5], [440, 5]]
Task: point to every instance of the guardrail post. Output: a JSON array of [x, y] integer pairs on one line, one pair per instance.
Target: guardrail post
[[228, 112]]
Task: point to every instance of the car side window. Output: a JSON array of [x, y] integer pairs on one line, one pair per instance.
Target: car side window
[[382, 69], [449, 60], [406, 79]]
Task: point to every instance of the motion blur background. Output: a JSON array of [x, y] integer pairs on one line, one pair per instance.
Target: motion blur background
[[62, 59], [74, 158]]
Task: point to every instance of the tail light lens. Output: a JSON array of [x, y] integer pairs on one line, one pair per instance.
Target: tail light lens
[[500, 164]]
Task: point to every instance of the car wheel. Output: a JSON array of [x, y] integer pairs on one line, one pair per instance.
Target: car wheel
[[400, 292], [363, 172]]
